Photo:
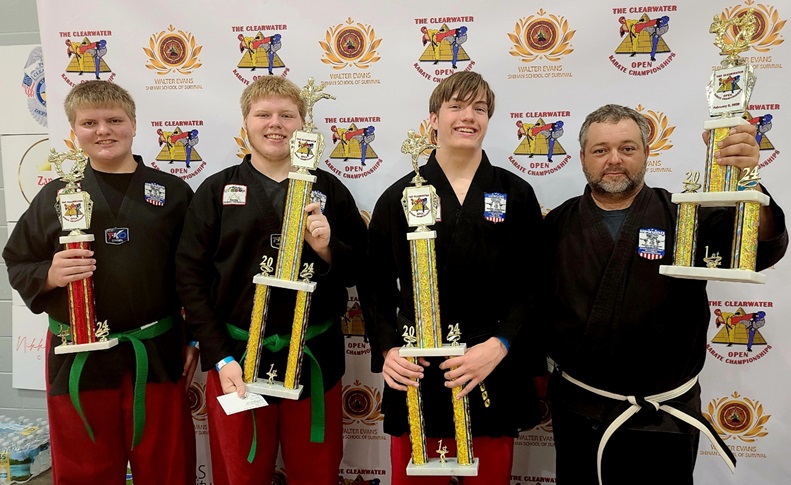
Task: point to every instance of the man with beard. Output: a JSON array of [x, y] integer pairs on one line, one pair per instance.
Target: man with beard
[[610, 311]]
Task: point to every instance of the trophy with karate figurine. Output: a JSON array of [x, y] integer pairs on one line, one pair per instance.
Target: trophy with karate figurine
[[729, 92], [421, 204], [288, 272], [74, 208]]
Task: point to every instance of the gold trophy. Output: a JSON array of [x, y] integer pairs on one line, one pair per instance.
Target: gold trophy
[[421, 203], [289, 272], [74, 208], [729, 92]]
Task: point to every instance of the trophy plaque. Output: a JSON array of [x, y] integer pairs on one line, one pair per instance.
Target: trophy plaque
[[421, 203], [729, 92], [289, 272], [74, 208]]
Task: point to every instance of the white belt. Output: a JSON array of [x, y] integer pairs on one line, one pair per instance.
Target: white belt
[[654, 400]]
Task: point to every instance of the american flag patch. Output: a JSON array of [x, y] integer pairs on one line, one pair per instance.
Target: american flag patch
[[154, 193], [494, 206], [651, 243]]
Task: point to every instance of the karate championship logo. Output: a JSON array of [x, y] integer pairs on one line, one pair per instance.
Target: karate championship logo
[[259, 46], [352, 323], [658, 138], [362, 404], [352, 139], [177, 146], [541, 37], [763, 124], [35, 87], [538, 135], [173, 52], [768, 28], [739, 340], [642, 49], [85, 51], [741, 419], [442, 39], [350, 44]]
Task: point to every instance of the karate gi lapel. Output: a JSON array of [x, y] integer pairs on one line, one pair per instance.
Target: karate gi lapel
[[604, 316], [270, 220]]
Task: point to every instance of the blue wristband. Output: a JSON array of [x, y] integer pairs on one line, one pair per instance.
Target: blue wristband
[[504, 341], [219, 365], [192, 343]]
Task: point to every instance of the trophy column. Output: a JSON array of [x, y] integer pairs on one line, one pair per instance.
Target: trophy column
[[420, 203], [729, 92], [289, 272], [74, 208]]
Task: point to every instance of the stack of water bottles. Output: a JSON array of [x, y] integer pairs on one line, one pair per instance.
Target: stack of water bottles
[[24, 449]]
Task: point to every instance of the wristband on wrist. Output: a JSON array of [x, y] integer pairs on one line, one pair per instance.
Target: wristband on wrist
[[504, 341], [193, 343], [219, 365]]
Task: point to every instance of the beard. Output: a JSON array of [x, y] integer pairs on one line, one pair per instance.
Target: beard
[[622, 187]]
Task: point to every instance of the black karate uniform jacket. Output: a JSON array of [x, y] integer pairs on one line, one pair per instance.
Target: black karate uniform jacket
[[134, 282], [221, 250], [615, 322], [477, 260]]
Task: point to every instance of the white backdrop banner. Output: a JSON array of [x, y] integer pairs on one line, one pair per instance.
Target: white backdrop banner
[[550, 63]]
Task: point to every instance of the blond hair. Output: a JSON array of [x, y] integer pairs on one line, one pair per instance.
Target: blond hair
[[275, 87], [98, 94]]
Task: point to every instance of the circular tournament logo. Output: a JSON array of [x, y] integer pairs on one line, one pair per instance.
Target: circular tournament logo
[[352, 44], [735, 417], [541, 35], [357, 403], [349, 43], [172, 50], [361, 404]]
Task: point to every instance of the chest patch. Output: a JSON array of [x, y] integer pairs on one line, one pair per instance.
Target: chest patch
[[234, 194], [320, 197], [116, 235], [494, 206], [651, 243], [154, 193]]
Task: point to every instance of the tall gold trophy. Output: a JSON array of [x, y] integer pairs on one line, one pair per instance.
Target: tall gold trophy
[[420, 203], [289, 271], [729, 92], [74, 208]]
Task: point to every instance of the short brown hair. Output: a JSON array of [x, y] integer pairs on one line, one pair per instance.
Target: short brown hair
[[98, 94], [614, 113], [274, 87], [466, 86]]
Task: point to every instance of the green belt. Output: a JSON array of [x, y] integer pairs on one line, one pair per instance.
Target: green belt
[[275, 343], [135, 337]]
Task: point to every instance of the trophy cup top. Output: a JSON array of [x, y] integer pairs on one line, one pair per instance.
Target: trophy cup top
[[416, 145], [307, 145], [74, 206], [312, 94], [77, 171], [744, 27], [731, 86]]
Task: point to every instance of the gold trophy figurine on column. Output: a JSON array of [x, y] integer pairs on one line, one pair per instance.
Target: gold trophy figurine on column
[[74, 208], [420, 203], [729, 92], [289, 271]]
